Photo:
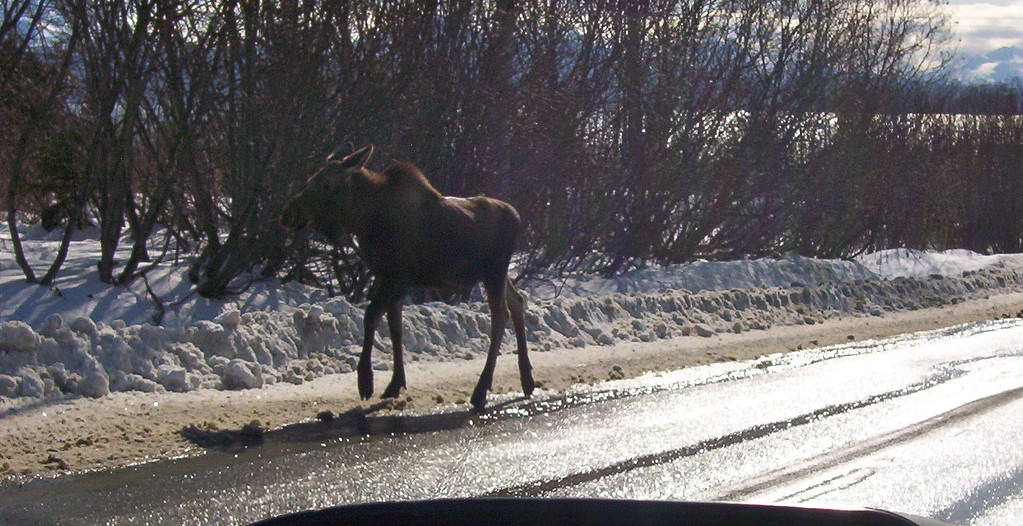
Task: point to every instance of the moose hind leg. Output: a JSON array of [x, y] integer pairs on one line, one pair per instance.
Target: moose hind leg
[[517, 307], [498, 320], [398, 374]]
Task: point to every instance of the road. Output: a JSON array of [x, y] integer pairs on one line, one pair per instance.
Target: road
[[926, 424]]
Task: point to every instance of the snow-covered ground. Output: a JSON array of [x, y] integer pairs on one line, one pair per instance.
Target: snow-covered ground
[[81, 337]]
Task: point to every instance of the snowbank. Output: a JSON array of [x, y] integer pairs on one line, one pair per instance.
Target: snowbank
[[84, 338], [249, 350], [706, 275], [906, 263]]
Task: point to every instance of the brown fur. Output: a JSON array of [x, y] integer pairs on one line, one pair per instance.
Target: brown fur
[[409, 235]]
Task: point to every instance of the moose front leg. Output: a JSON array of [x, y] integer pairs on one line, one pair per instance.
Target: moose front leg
[[386, 294], [398, 375], [371, 321]]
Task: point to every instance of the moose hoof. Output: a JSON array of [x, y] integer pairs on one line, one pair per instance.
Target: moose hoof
[[479, 401], [365, 389], [392, 391], [528, 385], [365, 380]]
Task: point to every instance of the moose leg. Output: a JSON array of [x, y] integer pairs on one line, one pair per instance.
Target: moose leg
[[398, 375], [498, 320], [517, 306], [382, 296], [365, 368]]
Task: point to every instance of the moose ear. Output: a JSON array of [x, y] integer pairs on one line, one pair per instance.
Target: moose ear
[[358, 158], [336, 156]]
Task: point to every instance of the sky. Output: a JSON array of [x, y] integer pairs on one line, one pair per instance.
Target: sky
[[985, 26], [982, 30]]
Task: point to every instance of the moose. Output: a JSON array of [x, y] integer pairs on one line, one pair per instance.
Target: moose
[[410, 236]]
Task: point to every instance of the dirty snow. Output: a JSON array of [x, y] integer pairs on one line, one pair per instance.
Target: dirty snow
[[82, 338]]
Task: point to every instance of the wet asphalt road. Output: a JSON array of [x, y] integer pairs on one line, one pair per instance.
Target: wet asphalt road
[[926, 424]]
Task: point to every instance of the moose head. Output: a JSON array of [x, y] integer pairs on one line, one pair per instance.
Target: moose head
[[325, 202]]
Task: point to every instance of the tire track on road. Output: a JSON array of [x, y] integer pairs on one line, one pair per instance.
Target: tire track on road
[[849, 453], [946, 373]]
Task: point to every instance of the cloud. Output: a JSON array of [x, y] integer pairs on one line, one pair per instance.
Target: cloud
[[984, 26], [988, 2]]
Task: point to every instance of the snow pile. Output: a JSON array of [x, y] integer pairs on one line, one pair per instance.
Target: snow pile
[[252, 349], [789, 271], [908, 263], [78, 292], [83, 338], [708, 275]]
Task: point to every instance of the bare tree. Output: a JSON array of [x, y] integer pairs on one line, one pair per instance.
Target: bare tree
[[116, 60], [175, 108], [17, 35], [626, 131]]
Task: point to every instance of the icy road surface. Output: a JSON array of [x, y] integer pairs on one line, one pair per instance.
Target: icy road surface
[[927, 424]]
